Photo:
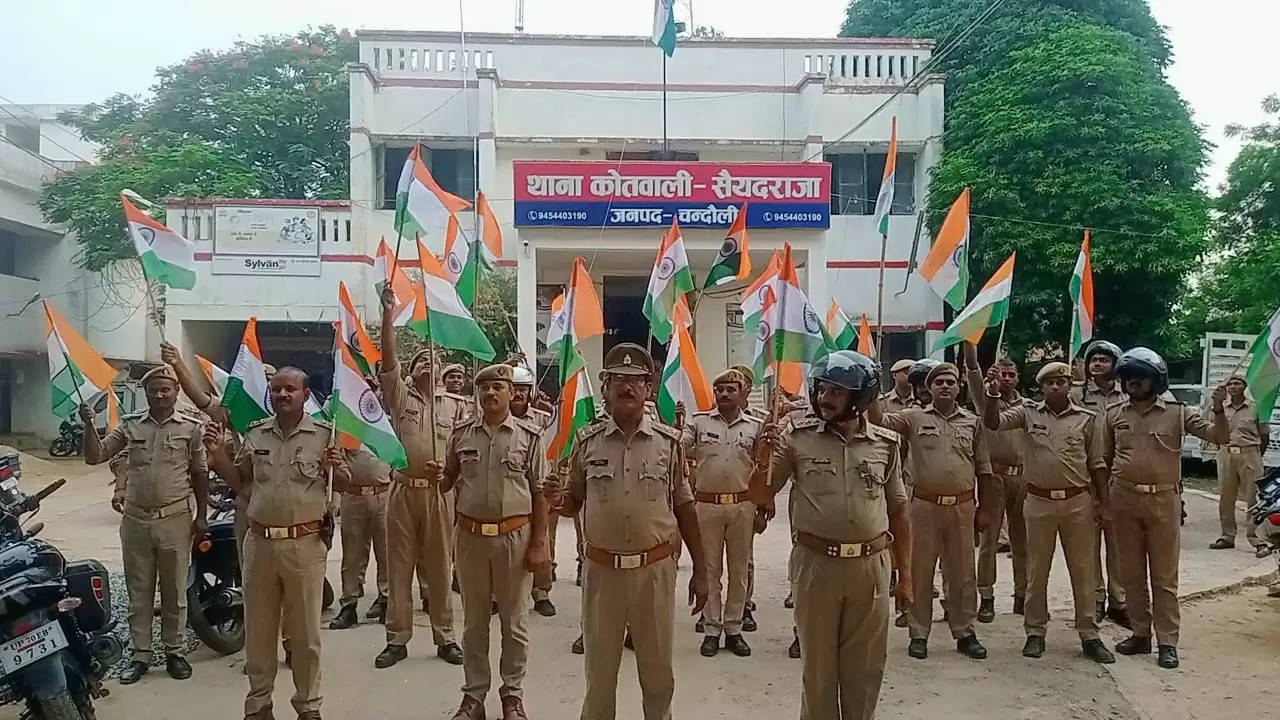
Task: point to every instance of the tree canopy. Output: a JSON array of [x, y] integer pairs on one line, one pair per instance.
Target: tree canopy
[[267, 118], [1058, 118]]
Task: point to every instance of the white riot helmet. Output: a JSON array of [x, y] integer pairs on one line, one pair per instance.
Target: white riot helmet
[[521, 376]]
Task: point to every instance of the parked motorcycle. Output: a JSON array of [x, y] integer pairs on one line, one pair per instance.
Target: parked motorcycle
[[70, 440], [55, 619], [1266, 511]]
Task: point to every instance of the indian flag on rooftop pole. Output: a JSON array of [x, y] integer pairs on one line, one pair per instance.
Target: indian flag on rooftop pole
[[683, 379], [1081, 289], [946, 268], [664, 25], [1263, 375], [884, 201], [76, 371], [422, 205], [247, 398], [670, 279], [988, 308], [166, 257]]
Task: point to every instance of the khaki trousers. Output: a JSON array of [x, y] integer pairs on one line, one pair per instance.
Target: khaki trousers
[[419, 528], [644, 600], [727, 532], [1072, 522], [283, 581], [543, 579], [1238, 471], [1110, 588], [492, 569], [842, 621], [156, 552], [1147, 529], [942, 533], [364, 525], [1006, 494]]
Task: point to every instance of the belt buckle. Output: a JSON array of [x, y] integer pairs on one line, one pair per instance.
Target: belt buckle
[[1147, 489], [947, 500], [1057, 494], [725, 498], [277, 533], [850, 550], [1234, 450], [628, 562], [489, 529]]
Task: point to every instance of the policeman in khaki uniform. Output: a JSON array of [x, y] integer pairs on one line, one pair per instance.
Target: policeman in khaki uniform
[[1098, 392], [720, 444], [164, 465], [495, 462], [1240, 466], [900, 396], [420, 516], [1007, 490], [364, 525], [763, 514], [1066, 491], [1142, 440], [626, 478], [848, 497], [522, 399], [287, 460], [948, 449]]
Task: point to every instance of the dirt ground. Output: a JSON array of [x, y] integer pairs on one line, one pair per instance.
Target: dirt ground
[[1229, 642]]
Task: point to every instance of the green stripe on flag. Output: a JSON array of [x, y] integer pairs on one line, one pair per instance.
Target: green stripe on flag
[[165, 273], [724, 270], [63, 385], [241, 407], [386, 446], [455, 333]]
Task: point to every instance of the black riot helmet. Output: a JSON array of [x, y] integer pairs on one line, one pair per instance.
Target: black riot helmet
[[852, 371], [919, 372], [1104, 348], [1143, 362]]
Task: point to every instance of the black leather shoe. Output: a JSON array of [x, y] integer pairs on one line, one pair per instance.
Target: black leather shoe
[[710, 646], [748, 621], [700, 627], [627, 643], [1034, 647], [987, 610], [345, 618], [545, 607], [133, 672], [789, 603], [577, 648], [969, 646], [177, 667], [901, 621], [736, 645], [378, 610], [1100, 611], [1097, 652], [750, 606], [1261, 551], [1167, 657], [450, 653], [1019, 604], [793, 652], [1134, 645], [390, 655], [309, 715], [918, 648], [1222, 544], [1120, 616]]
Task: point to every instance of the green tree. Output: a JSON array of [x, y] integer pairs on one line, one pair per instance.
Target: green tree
[[267, 118], [1058, 113]]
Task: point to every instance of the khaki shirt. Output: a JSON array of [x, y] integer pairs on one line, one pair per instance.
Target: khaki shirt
[[946, 451], [1088, 396], [538, 418], [410, 417], [628, 487], [720, 450], [1005, 448], [1145, 448], [366, 468], [1246, 431], [890, 402], [1060, 449], [496, 472], [844, 489], [161, 456], [288, 485]]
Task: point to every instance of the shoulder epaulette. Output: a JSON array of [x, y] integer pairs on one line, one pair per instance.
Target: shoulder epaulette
[[258, 423], [883, 433], [193, 415], [667, 430], [594, 428], [140, 414], [321, 422], [806, 423], [534, 425], [705, 412]]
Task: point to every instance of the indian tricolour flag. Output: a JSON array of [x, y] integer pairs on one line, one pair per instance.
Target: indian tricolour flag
[[682, 378], [351, 331], [576, 410], [865, 346], [1081, 289], [490, 231], [734, 259], [671, 278], [988, 308], [357, 413], [664, 25], [76, 370], [575, 316], [789, 330], [167, 257], [440, 315], [839, 327], [884, 201], [422, 205], [1263, 375], [383, 263], [216, 376], [754, 296], [946, 268], [247, 398]]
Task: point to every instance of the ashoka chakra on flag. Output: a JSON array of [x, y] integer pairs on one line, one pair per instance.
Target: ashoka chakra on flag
[[370, 408]]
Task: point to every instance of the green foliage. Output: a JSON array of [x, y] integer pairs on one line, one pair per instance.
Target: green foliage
[[267, 118], [1058, 112]]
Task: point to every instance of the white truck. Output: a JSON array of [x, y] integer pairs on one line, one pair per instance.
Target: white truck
[[1222, 354]]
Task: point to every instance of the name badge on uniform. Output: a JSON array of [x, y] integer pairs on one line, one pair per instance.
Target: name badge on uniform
[[138, 441], [468, 453], [713, 436], [260, 451], [598, 462], [1122, 425], [930, 428], [410, 411], [1039, 426], [822, 461]]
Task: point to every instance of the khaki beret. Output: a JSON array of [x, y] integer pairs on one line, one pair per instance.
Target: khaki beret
[[493, 372], [628, 359], [269, 369], [419, 355], [455, 367], [163, 372], [747, 373], [903, 365], [940, 369], [1053, 370], [732, 375]]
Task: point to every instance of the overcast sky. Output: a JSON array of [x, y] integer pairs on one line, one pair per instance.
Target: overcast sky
[[75, 51]]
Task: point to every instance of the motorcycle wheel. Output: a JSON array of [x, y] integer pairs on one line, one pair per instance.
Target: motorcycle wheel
[[63, 707], [62, 447], [327, 598], [224, 638]]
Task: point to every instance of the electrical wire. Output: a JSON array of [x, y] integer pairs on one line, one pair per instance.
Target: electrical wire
[[36, 127]]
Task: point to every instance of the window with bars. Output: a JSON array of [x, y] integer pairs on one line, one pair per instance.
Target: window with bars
[[855, 183]]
